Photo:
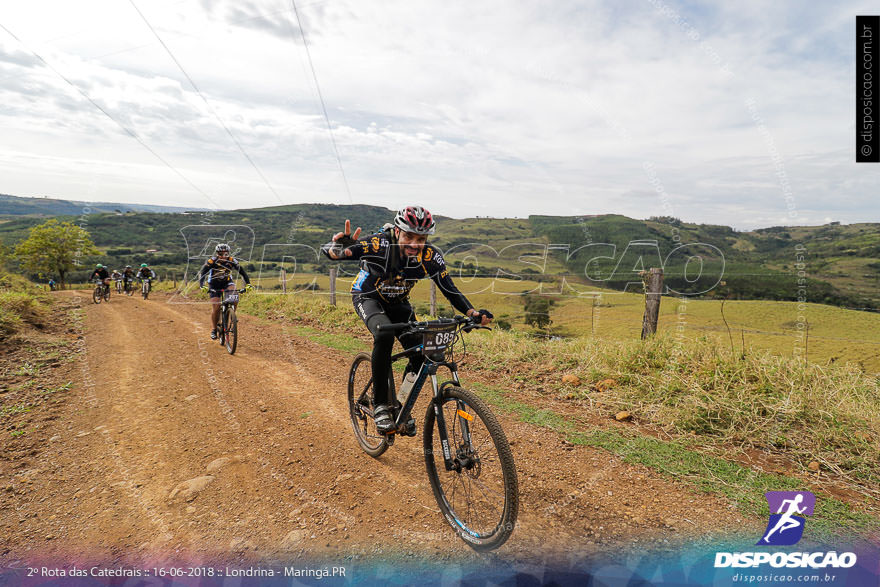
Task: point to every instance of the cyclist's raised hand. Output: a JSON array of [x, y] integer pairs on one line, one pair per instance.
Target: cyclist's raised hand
[[344, 239]]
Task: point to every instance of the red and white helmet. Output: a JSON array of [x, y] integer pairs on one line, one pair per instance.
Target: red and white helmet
[[414, 219]]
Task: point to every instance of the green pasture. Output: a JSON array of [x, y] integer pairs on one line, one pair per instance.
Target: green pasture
[[821, 333]]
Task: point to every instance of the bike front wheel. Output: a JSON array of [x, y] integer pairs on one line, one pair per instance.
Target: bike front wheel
[[360, 407], [97, 295], [231, 329], [479, 495]]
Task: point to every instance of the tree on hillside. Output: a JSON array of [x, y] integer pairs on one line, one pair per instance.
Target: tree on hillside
[[55, 248], [538, 311]]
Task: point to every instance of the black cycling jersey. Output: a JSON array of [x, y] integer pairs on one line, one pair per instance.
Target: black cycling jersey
[[219, 269], [146, 273], [388, 277], [128, 274], [101, 273]]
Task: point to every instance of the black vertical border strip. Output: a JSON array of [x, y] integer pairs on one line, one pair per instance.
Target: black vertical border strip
[[867, 137]]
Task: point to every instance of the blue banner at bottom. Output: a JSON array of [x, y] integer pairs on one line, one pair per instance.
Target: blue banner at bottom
[[719, 566]]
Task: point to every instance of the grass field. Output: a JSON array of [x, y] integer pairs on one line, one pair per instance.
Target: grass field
[[823, 334]]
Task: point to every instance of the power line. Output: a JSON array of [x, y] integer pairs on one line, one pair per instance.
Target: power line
[[321, 98], [207, 104], [127, 130]]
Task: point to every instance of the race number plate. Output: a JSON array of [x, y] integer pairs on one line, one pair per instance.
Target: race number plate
[[232, 298], [438, 341]]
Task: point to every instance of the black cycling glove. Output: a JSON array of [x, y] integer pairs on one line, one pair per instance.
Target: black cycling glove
[[483, 312], [340, 244]]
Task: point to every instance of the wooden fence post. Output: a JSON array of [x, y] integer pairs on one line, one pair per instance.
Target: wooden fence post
[[807, 344], [333, 286], [653, 289], [433, 298], [283, 281], [593, 317]]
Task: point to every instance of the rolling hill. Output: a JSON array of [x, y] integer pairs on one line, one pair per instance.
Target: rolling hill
[[837, 264], [21, 206]]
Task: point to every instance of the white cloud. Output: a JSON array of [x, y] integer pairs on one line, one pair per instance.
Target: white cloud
[[494, 107]]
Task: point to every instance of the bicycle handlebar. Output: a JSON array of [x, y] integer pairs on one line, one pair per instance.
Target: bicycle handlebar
[[232, 291], [455, 321]]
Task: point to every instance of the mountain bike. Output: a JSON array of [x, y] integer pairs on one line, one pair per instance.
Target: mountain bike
[[145, 287], [128, 287], [227, 326], [119, 286], [102, 291], [471, 471]]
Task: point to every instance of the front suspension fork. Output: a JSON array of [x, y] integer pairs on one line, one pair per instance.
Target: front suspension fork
[[452, 463]]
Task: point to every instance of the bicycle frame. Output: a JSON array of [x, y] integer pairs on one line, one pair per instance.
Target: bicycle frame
[[429, 369], [225, 303]]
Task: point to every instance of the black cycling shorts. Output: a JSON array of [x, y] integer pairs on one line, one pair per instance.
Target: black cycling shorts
[[216, 287]]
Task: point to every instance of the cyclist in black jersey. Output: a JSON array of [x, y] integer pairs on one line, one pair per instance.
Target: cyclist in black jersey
[[217, 272], [101, 273], [145, 272], [127, 274], [391, 262]]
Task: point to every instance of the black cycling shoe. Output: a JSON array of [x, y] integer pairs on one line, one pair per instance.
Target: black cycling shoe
[[383, 420], [214, 334]]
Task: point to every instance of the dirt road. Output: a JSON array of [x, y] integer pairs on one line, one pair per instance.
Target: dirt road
[[168, 446]]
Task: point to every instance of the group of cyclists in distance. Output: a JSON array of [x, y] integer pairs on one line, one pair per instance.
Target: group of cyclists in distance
[[215, 276], [125, 277]]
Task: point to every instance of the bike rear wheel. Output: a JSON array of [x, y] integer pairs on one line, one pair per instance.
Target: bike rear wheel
[[360, 407], [106, 293], [231, 329], [480, 499]]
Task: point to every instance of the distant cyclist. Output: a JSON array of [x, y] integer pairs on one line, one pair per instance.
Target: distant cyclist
[[145, 272], [391, 263], [127, 275], [217, 272], [116, 276], [102, 274]]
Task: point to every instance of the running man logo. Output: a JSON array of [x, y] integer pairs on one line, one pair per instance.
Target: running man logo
[[786, 525]]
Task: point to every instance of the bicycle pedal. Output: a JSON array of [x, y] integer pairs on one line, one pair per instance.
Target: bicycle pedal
[[409, 429]]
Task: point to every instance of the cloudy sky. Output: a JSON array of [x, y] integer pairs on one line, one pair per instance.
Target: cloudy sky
[[731, 113]]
